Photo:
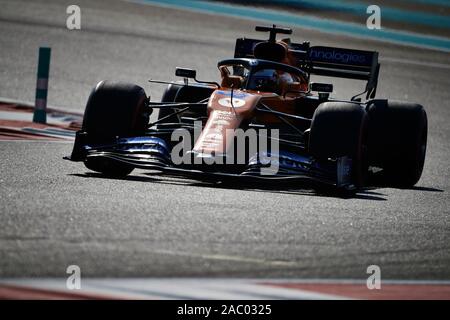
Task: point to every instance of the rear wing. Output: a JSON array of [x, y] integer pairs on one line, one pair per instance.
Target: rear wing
[[327, 61]]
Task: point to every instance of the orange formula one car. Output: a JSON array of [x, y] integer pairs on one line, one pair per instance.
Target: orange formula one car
[[264, 120]]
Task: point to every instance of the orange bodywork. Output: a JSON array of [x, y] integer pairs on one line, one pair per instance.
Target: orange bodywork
[[230, 105], [224, 118]]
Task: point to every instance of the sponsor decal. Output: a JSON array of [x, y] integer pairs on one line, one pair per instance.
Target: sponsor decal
[[237, 103], [236, 93], [338, 56], [240, 145]]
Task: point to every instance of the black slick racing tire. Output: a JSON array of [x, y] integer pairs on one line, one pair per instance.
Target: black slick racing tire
[[114, 109], [340, 129], [397, 140]]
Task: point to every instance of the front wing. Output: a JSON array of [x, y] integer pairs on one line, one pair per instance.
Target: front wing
[[152, 153]]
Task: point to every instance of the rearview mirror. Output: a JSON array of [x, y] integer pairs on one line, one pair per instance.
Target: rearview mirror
[[321, 87], [185, 73]]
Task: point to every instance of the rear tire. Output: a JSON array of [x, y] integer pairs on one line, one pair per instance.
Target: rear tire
[[398, 140], [340, 129], [182, 93], [114, 109], [169, 96]]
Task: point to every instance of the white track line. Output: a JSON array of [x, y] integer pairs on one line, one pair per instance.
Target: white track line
[[197, 288], [177, 288], [222, 257]]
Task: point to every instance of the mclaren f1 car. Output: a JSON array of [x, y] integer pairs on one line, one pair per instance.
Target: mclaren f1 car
[[264, 120]]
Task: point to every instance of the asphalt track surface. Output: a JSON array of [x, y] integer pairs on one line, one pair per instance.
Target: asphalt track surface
[[54, 213]]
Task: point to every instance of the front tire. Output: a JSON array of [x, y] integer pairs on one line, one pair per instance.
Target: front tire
[[340, 129], [114, 109]]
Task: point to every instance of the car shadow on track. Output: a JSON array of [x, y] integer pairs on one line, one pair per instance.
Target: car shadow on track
[[379, 182], [424, 189], [305, 189]]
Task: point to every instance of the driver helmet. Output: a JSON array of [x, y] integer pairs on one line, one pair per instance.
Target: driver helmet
[[265, 80]]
